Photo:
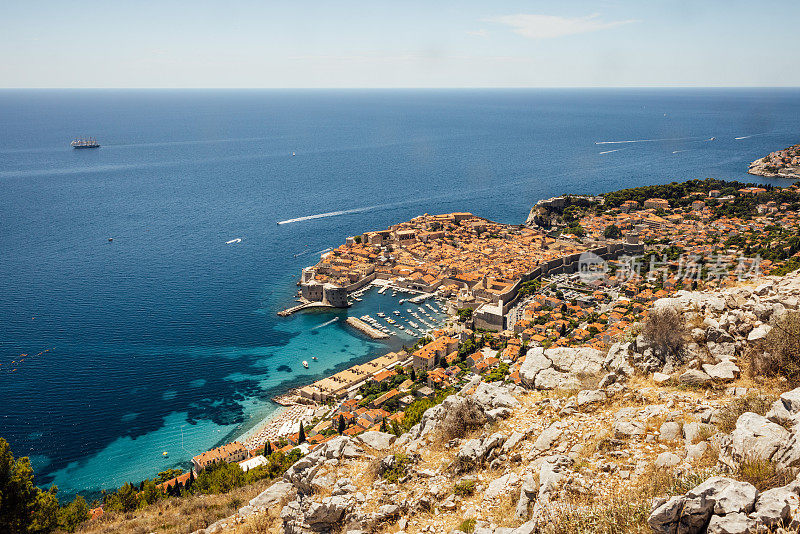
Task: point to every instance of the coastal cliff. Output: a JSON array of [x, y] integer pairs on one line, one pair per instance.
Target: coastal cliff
[[783, 163]]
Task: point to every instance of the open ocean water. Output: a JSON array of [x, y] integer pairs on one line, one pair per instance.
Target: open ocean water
[[166, 339]]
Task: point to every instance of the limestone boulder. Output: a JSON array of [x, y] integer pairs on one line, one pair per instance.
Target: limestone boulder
[[755, 436], [738, 523], [666, 460], [725, 371], [669, 431], [694, 377], [379, 441], [775, 506]]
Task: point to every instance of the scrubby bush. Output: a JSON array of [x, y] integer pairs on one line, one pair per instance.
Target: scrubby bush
[[665, 331], [749, 403], [779, 352], [398, 468], [465, 417]]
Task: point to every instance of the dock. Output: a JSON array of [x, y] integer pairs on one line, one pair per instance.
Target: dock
[[363, 327], [304, 306]]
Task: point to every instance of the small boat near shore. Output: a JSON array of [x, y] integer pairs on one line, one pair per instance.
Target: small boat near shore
[[305, 364]]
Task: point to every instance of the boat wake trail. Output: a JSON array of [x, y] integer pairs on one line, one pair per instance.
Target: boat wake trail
[[748, 136], [326, 323], [610, 151], [650, 140], [678, 151], [232, 241], [329, 214]]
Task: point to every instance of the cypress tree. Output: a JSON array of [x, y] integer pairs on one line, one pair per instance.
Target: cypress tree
[[341, 424], [268, 448], [302, 435], [383, 425]]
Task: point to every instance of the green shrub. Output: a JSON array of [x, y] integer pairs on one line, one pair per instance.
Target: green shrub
[[464, 488], [467, 525], [399, 468]]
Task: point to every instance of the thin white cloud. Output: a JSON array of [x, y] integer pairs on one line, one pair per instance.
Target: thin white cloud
[[479, 33], [550, 26]]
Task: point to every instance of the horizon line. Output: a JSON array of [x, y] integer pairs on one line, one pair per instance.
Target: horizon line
[[401, 88]]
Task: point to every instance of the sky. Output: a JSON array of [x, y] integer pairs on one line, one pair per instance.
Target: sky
[[397, 44]]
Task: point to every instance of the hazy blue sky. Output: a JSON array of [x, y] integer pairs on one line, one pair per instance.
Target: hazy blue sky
[[433, 43]]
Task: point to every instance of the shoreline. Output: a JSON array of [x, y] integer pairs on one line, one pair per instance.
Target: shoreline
[[279, 423]]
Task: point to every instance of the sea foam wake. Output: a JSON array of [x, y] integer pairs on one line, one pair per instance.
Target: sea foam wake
[[326, 323], [329, 214], [651, 140], [749, 136]]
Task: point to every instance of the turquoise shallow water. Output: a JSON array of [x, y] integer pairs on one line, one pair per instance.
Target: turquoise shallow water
[[167, 338]]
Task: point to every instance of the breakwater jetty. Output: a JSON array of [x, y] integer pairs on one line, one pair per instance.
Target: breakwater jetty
[[363, 327], [304, 306]]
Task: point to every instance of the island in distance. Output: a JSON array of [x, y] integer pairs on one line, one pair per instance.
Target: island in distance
[[779, 164]]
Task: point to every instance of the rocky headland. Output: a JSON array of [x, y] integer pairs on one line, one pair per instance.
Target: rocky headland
[[783, 163]]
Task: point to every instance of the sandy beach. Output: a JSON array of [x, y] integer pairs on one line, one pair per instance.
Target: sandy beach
[[283, 422]]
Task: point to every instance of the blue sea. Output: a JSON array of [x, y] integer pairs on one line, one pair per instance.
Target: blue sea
[[167, 338]]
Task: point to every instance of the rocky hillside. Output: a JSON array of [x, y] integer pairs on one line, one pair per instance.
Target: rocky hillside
[[667, 432], [779, 164]]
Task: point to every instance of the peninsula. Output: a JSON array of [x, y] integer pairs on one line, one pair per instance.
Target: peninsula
[[783, 163]]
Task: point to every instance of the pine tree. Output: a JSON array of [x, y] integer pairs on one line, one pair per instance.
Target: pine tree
[[301, 438]]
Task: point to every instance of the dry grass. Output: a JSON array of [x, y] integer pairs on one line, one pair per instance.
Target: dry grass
[[266, 523], [762, 474], [779, 352], [505, 513], [705, 433], [372, 471], [616, 516], [598, 442], [626, 511], [175, 515]]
